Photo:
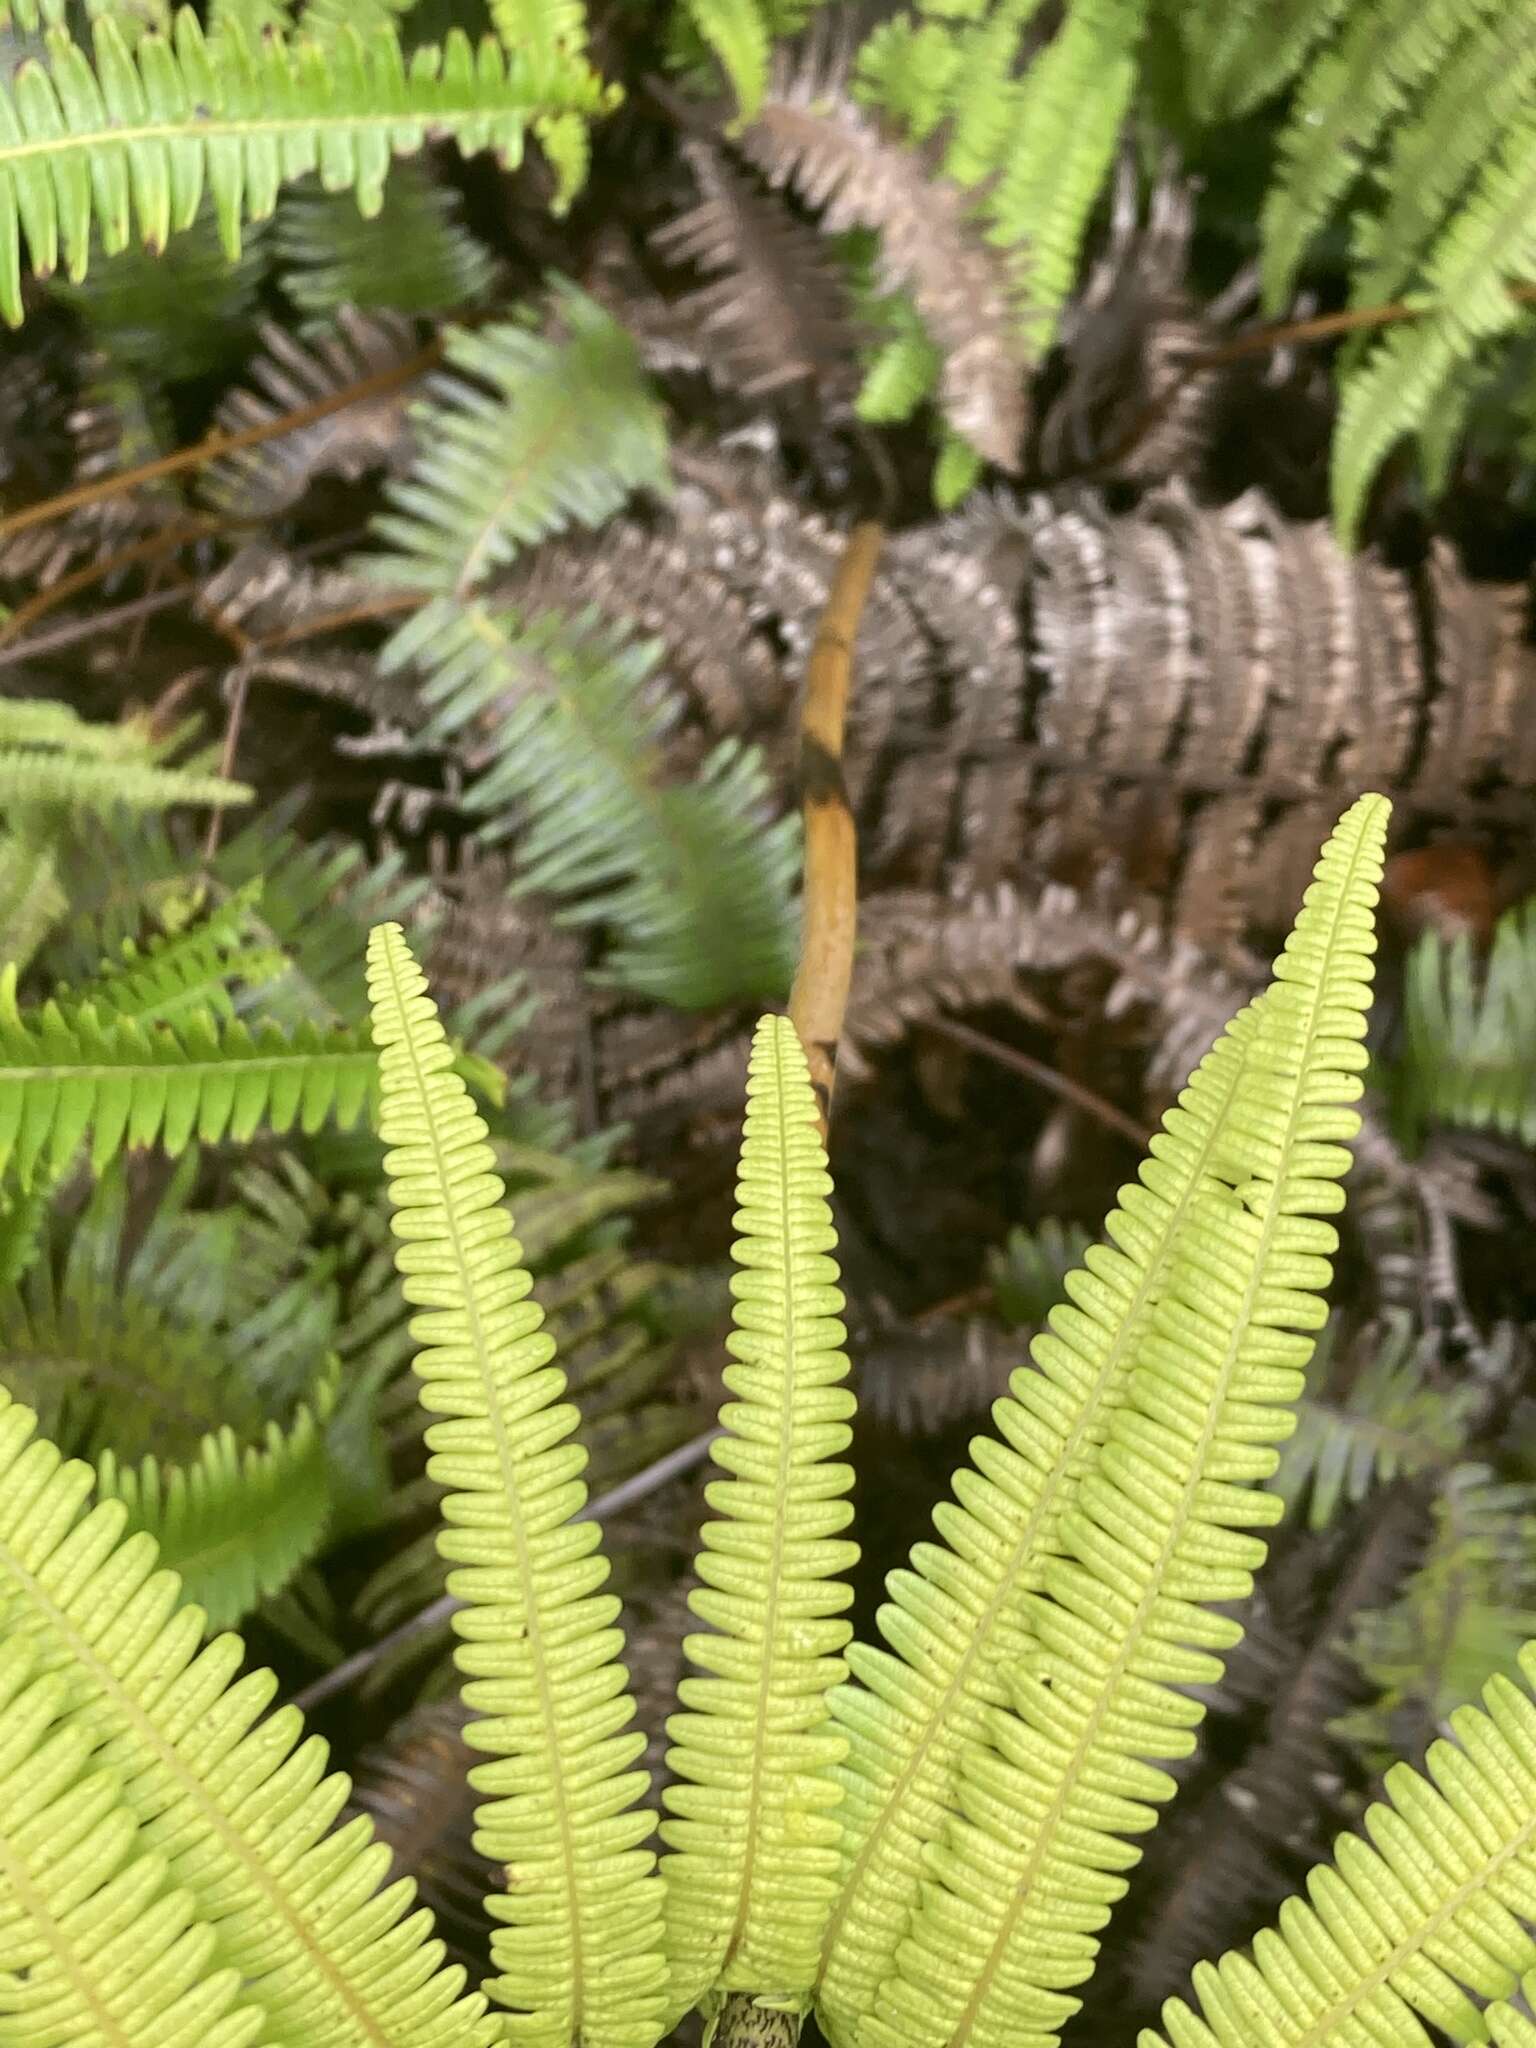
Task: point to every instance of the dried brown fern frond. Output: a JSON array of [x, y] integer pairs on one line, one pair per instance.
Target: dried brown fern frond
[[1139, 398], [371, 434], [415, 1787], [921, 1377], [776, 319], [811, 135]]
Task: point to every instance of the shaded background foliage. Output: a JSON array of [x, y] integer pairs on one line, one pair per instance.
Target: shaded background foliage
[[1185, 354]]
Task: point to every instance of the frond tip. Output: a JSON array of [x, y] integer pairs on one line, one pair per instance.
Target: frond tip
[[755, 1856], [579, 1941]]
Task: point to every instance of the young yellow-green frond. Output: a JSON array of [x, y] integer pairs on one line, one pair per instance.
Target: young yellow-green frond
[[955, 1632], [579, 1947], [236, 1810], [737, 33], [95, 1944], [753, 1843], [1420, 1921], [66, 1072], [1026, 1873]]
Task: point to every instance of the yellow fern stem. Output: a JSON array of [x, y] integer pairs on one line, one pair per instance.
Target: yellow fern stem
[[957, 1628], [754, 1842], [1027, 1872], [579, 1948]]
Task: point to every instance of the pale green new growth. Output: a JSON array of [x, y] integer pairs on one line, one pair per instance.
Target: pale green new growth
[[754, 1858], [579, 1947]]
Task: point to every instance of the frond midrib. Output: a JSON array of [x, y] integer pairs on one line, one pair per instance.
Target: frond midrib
[[938, 1721], [1067, 1771], [277, 1896], [507, 1468], [783, 1083]]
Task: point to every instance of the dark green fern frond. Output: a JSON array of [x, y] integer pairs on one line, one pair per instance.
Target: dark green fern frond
[[691, 880], [578, 1948], [414, 256], [143, 131], [64, 1077], [1239, 52], [1388, 1421], [1466, 1611], [558, 429], [234, 1524], [1469, 1053]]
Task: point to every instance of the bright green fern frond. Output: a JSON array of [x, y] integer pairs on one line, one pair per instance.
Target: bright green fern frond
[[1419, 1921], [180, 974], [234, 1525], [692, 880], [64, 1075], [413, 256], [92, 781], [737, 33], [1489, 244], [754, 1846], [1470, 1038], [235, 1806], [144, 131], [579, 1941], [1386, 54], [1071, 106], [566, 430]]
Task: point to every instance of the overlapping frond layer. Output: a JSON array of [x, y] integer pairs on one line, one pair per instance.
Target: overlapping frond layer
[[66, 1074], [692, 880], [93, 1945], [1470, 1051], [1414, 1924], [1026, 1874], [579, 1945], [232, 1807], [957, 1620], [414, 255], [753, 1840], [234, 1525], [557, 429], [138, 134]]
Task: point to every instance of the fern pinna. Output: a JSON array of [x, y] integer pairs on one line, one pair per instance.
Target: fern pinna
[[928, 1851]]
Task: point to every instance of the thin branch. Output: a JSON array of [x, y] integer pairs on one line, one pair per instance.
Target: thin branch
[[150, 548], [820, 993], [1036, 1070], [220, 442], [639, 1484]]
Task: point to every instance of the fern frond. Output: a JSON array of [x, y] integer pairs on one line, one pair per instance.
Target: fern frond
[[1027, 1871], [578, 1948], [1412, 1925], [171, 116], [414, 256], [93, 782], [1386, 54], [33, 900], [692, 881], [957, 1633], [737, 33], [1239, 52], [1489, 244], [234, 1525], [1469, 1054], [236, 1809], [66, 1075], [753, 1860], [1389, 1422], [565, 431]]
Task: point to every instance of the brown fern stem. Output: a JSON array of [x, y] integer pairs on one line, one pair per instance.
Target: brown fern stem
[[819, 996]]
